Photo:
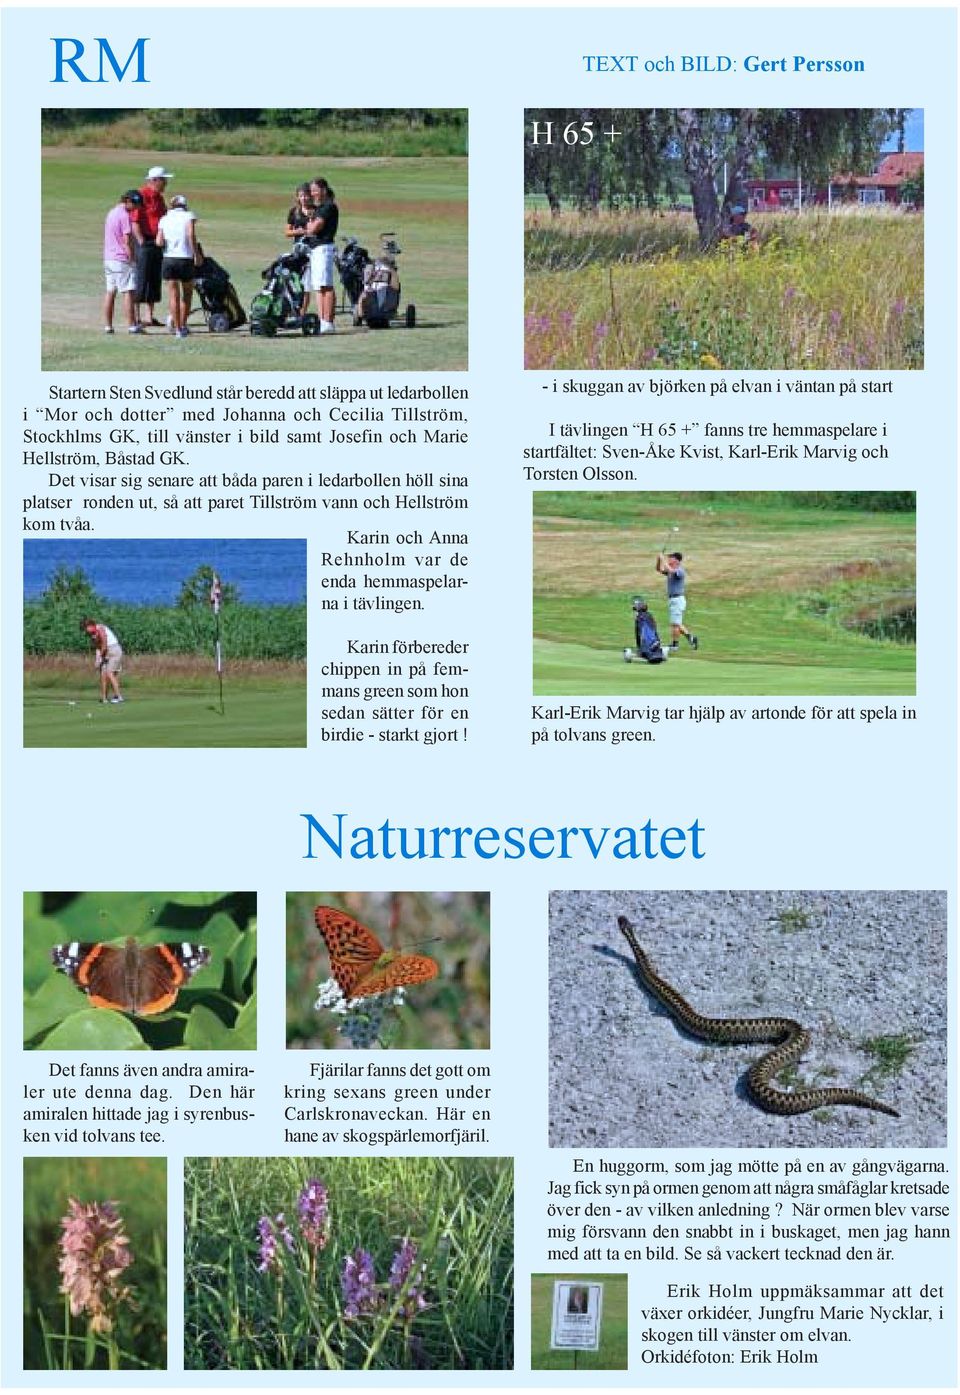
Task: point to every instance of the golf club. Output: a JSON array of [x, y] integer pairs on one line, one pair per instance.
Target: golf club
[[670, 531]]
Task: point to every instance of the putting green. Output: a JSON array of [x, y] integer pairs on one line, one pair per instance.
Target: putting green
[[564, 670], [241, 202], [254, 715]]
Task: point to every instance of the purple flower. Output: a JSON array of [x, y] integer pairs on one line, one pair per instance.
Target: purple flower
[[270, 1231], [314, 1214], [566, 318], [406, 1279], [358, 1285], [94, 1252], [789, 294], [834, 318], [898, 307], [601, 330]]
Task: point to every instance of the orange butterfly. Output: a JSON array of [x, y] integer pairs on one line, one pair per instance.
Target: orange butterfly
[[359, 962]]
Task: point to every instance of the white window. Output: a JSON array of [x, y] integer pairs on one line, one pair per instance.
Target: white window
[[871, 196]]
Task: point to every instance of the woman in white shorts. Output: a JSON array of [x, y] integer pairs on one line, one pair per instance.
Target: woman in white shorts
[[322, 228]]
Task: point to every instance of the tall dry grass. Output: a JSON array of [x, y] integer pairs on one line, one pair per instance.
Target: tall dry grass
[[840, 290]]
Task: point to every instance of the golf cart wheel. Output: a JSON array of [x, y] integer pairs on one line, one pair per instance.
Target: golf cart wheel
[[410, 318], [219, 323], [309, 324]]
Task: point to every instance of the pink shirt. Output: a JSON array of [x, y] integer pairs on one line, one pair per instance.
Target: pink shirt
[[115, 230]]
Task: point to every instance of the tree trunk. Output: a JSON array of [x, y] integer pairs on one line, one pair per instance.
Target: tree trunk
[[744, 151], [701, 173]]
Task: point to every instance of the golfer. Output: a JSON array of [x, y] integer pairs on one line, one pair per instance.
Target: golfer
[[145, 224], [670, 567], [738, 230], [322, 229], [107, 658], [119, 262], [177, 239]]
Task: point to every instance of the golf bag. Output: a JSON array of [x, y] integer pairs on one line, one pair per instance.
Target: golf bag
[[351, 264], [282, 302], [218, 297], [372, 284], [649, 647]]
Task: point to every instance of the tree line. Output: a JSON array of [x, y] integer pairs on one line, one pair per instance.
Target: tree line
[[657, 154]]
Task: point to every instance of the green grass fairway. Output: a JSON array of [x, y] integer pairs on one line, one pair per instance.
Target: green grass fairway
[[775, 593], [155, 714], [569, 670], [241, 203], [612, 1355]]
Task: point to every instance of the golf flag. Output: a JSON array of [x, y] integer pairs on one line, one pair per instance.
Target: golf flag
[[216, 596]]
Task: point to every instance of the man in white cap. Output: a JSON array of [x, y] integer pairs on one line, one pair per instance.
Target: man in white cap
[[146, 220]]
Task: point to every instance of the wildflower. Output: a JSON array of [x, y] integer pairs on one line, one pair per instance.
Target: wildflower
[[601, 330], [710, 361], [363, 1017], [898, 307], [314, 1215], [407, 1279], [789, 294], [834, 318], [270, 1231], [94, 1252], [566, 318], [358, 1285]]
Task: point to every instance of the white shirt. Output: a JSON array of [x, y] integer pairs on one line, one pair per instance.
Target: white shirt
[[174, 227]]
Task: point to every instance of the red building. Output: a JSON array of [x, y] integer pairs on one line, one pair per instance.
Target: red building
[[884, 185]]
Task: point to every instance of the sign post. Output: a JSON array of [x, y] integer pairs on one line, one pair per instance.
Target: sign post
[[577, 1313]]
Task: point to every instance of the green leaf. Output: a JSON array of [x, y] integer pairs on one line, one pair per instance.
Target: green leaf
[[97, 1029], [240, 962], [40, 934], [56, 999], [205, 1032], [245, 1029]]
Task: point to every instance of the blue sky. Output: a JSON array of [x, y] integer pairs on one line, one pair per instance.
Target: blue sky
[[913, 131]]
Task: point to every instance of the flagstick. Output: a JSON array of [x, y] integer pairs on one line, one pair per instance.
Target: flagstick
[[216, 597], [220, 666]]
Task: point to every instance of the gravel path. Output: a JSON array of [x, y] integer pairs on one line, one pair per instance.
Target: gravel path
[[848, 965]]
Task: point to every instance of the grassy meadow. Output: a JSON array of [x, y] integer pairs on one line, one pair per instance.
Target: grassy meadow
[[450, 1012], [785, 600], [55, 1339], [258, 1300], [612, 1352], [241, 202], [841, 290]]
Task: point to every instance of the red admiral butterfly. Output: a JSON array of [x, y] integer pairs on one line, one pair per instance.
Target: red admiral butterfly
[[141, 979]]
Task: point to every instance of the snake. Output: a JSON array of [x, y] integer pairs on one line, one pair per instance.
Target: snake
[[789, 1038]]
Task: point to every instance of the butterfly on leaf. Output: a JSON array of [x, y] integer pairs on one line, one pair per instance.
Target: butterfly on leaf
[[359, 963]]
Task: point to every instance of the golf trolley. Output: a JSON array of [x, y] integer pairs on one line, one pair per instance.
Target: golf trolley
[[371, 285], [282, 302], [649, 647], [218, 297]]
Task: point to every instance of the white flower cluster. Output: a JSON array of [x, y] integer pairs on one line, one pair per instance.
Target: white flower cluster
[[363, 1017]]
